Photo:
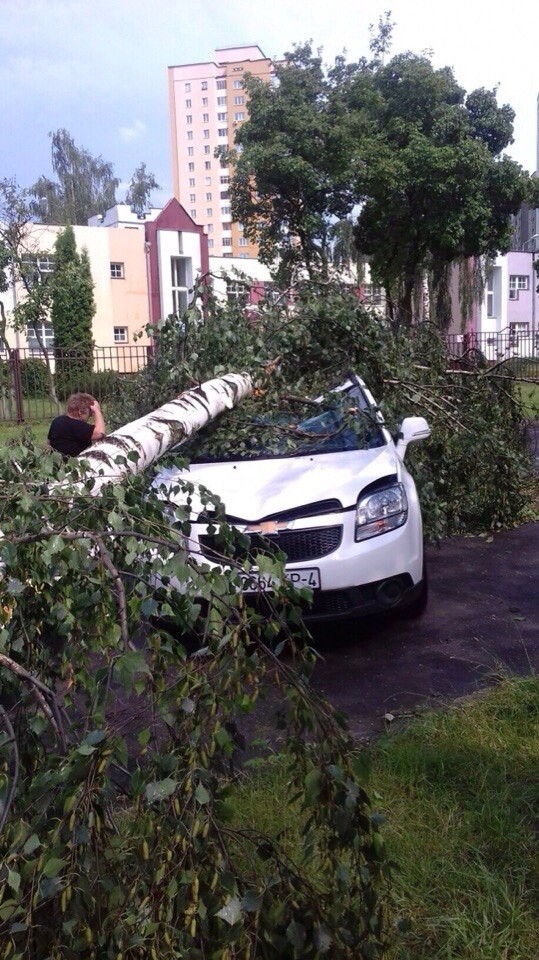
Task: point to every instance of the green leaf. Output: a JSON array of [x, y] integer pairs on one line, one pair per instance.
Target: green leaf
[[160, 789], [313, 785], [201, 794], [53, 867], [31, 844], [14, 880], [231, 912]]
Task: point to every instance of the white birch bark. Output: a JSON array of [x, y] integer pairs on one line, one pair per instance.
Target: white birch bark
[[109, 461]]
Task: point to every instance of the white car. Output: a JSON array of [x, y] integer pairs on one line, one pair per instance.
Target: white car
[[333, 494]]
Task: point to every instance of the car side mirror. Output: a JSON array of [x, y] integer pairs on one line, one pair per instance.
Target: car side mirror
[[411, 429]]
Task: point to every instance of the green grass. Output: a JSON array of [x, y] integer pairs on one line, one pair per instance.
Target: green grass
[[14, 431], [529, 395], [460, 789]]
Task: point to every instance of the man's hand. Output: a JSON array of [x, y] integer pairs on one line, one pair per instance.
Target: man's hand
[[99, 423]]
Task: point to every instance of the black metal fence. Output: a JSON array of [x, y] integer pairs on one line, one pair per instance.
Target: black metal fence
[[34, 385], [522, 345]]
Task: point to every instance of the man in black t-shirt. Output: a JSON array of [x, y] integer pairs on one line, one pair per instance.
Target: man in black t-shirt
[[70, 433]]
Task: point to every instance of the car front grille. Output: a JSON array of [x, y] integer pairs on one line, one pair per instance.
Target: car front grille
[[300, 546]]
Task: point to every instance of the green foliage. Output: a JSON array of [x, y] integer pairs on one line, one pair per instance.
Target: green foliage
[[85, 184], [400, 141], [473, 474], [72, 311], [141, 186], [118, 778], [35, 380]]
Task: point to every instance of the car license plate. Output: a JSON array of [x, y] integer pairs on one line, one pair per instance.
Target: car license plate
[[302, 577]]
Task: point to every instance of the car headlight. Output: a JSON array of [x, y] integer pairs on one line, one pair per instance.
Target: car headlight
[[381, 512]]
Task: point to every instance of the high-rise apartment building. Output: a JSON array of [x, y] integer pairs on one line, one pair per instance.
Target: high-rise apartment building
[[207, 103]]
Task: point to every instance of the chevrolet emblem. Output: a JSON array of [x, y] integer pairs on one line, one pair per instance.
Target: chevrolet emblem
[[266, 527]]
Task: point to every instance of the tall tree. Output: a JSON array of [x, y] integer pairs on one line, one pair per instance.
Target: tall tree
[[433, 187], [21, 268], [141, 186], [398, 141], [72, 312], [292, 172], [85, 184]]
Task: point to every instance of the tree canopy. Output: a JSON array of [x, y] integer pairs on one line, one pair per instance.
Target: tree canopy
[[72, 311], [141, 186], [85, 184], [398, 146]]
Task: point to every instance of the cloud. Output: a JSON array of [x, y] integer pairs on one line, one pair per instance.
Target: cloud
[[134, 132]]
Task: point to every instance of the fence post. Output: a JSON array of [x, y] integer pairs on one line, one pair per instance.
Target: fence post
[[17, 385]]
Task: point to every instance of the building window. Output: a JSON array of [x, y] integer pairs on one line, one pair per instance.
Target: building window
[[518, 332], [117, 271], [181, 273], [204, 85], [189, 118], [120, 335], [206, 149], [191, 181], [206, 134], [189, 134], [221, 101], [238, 84], [224, 180], [221, 116], [490, 295], [238, 101], [207, 181], [190, 151], [373, 294], [191, 167], [188, 88], [207, 164], [204, 101], [208, 196], [187, 104], [227, 241], [192, 198], [193, 214], [243, 242], [222, 131], [44, 333], [209, 228], [225, 195], [237, 292], [518, 282], [225, 211], [205, 118], [210, 242], [239, 116], [221, 84]]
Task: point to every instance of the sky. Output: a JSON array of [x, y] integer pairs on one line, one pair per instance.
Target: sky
[[99, 67]]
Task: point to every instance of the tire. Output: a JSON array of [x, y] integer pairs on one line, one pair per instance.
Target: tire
[[417, 607]]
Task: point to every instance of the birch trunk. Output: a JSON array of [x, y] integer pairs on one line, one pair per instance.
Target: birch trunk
[[111, 459]]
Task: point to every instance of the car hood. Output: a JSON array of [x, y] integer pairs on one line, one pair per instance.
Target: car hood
[[254, 489]]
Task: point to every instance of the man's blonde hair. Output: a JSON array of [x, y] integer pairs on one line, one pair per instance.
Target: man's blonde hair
[[79, 404]]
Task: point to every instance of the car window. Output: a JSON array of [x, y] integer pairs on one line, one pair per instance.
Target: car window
[[345, 422]]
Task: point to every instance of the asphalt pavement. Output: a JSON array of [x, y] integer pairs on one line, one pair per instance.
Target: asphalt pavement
[[482, 622]]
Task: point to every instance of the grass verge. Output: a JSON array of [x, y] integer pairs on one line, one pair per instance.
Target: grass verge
[[460, 789]]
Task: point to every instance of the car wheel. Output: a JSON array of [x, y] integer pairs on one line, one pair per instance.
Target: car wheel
[[419, 604]]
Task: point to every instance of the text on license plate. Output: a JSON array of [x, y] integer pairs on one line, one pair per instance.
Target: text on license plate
[[302, 577]]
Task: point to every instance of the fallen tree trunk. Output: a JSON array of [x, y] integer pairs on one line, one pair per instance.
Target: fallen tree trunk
[[132, 448]]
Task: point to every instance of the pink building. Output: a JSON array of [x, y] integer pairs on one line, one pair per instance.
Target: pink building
[[207, 103], [143, 270]]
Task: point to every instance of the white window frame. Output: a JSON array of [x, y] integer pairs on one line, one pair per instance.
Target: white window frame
[[117, 270], [120, 335]]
